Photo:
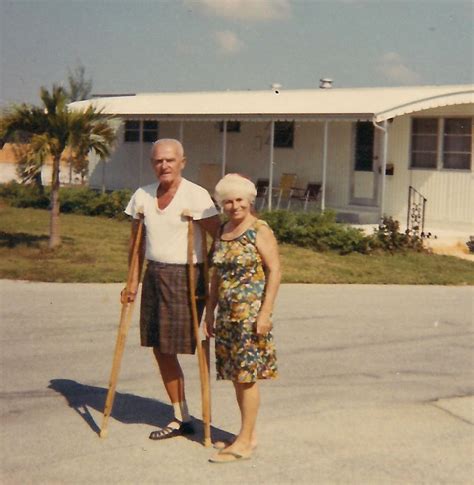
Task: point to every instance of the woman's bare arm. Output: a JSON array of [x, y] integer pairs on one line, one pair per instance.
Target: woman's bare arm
[[267, 246]]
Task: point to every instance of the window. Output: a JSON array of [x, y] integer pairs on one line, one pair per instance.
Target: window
[[424, 142], [364, 151], [232, 126], [284, 134], [441, 142], [132, 130], [150, 131], [457, 143]]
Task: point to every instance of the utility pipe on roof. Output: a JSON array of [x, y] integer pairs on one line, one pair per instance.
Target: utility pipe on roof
[[224, 147], [270, 174], [384, 130], [325, 160]]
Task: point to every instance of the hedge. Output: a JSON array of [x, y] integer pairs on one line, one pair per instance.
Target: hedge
[[315, 230], [76, 200], [321, 232]]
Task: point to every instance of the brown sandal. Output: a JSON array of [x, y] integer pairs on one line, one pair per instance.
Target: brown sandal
[[170, 432]]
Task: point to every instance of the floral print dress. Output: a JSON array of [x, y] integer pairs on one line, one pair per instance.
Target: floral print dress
[[241, 354]]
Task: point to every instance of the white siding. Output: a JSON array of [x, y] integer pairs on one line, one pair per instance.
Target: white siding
[[450, 193], [129, 166]]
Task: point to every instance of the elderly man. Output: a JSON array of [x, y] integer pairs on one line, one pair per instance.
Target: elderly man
[[165, 316]]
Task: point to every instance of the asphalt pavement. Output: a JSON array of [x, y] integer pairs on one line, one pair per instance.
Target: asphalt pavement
[[376, 387]]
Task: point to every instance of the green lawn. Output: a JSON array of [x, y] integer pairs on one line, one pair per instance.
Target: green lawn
[[94, 249]]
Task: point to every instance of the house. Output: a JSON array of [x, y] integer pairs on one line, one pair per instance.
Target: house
[[365, 147], [11, 153]]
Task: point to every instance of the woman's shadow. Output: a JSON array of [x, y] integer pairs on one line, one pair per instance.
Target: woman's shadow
[[127, 408]]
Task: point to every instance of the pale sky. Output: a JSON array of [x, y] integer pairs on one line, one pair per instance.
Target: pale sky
[[130, 46]]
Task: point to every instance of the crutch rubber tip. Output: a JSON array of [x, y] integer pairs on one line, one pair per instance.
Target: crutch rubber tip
[[103, 433], [207, 442]]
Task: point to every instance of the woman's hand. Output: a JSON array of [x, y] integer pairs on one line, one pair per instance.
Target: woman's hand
[[209, 325], [264, 323]]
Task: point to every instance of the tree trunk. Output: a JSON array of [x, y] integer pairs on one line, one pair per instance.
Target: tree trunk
[[38, 182], [54, 235], [70, 170]]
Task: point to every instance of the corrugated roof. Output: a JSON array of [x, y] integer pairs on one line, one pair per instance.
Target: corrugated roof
[[377, 103]]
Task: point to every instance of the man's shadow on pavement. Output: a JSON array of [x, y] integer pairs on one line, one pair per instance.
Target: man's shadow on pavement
[[127, 408]]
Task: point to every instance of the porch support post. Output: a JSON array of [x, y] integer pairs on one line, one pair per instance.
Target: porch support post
[[224, 146], [325, 162], [141, 156], [270, 169], [384, 167], [181, 131]]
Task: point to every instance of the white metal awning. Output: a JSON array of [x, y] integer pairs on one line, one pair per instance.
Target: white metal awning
[[335, 104]]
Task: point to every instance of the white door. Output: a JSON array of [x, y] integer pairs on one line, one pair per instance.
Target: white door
[[364, 173]]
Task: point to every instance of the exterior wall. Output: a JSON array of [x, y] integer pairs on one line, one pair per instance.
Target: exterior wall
[[450, 193], [8, 172], [340, 161], [248, 152]]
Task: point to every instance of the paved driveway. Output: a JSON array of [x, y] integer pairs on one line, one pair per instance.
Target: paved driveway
[[375, 388]]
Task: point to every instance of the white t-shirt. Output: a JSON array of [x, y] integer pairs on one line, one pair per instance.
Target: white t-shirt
[[167, 230]]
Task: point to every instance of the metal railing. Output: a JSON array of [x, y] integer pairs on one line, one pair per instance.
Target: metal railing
[[416, 212]]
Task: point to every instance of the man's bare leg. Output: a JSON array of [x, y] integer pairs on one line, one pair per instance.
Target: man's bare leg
[[173, 380], [172, 375]]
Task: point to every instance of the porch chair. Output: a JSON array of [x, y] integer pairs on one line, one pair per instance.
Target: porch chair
[[262, 189], [287, 183], [310, 194]]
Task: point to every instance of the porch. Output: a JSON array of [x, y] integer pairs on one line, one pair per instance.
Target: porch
[[305, 164]]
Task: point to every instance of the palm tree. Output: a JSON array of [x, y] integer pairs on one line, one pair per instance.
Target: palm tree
[[59, 129]]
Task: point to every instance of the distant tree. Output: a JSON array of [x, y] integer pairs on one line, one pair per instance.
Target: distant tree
[[55, 129], [79, 88]]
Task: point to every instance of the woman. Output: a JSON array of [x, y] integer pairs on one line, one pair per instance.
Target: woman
[[244, 286]]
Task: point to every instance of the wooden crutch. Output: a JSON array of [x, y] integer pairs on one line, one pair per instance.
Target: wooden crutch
[[206, 342], [125, 319], [202, 347]]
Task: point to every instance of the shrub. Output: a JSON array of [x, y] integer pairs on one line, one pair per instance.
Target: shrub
[[388, 237], [76, 200], [28, 195], [93, 203], [321, 232], [316, 230]]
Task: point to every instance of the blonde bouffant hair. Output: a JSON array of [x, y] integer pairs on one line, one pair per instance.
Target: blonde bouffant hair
[[234, 185]]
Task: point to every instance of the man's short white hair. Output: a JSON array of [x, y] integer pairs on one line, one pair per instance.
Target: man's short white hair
[[233, 186], [172, 141]]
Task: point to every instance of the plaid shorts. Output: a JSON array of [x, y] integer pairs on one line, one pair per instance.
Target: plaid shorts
[[165, 310]]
